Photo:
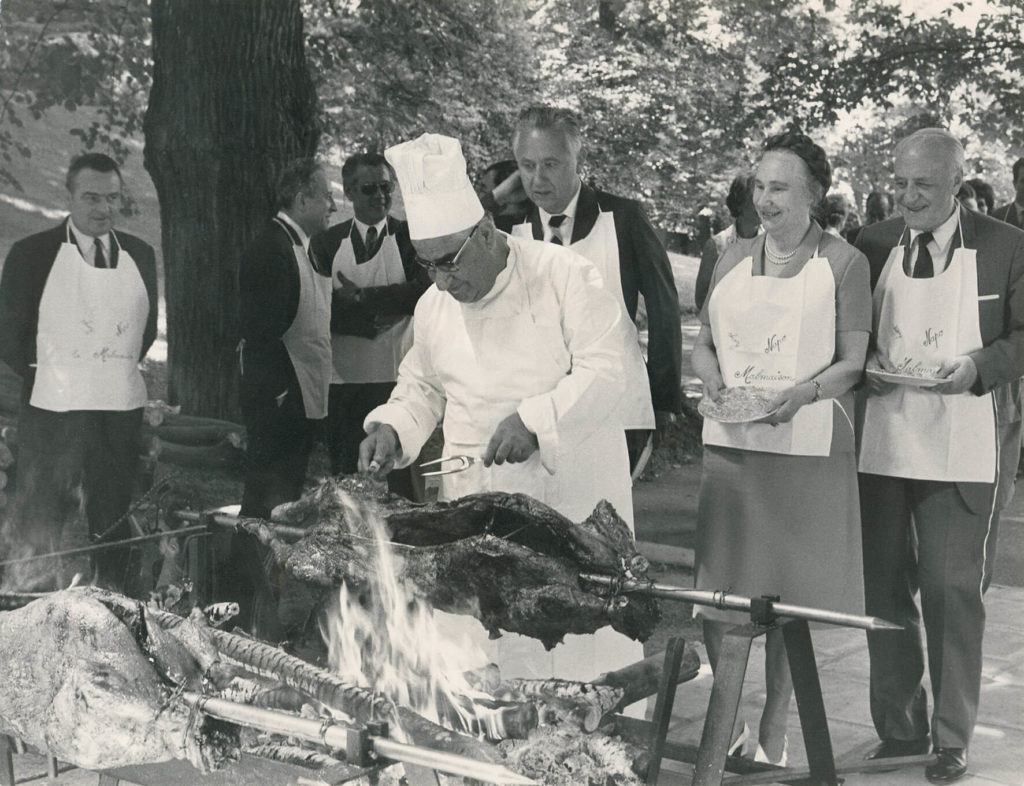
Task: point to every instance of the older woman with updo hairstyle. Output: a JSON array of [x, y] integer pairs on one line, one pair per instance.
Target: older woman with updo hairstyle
[[788, 312]]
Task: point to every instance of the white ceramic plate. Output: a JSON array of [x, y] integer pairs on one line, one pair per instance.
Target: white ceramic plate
[[904, 379]]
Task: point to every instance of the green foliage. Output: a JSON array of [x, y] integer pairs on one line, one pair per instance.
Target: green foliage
[[70, 54], [676, 94]]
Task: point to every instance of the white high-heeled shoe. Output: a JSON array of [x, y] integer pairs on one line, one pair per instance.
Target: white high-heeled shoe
[[736, 749], [761, 756]]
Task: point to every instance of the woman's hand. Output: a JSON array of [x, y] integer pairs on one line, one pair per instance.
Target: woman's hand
[[713, 387], [789, 402]]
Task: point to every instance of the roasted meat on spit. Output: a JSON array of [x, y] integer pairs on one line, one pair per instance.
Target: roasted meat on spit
[[507, 559]]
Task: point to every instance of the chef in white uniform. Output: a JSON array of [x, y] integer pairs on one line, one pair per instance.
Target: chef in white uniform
[[521, 353]]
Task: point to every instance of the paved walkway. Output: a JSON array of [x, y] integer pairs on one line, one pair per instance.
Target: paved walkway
[[843, 667]]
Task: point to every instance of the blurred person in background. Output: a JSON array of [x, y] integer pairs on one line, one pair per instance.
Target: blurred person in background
[[745, 224], [1013, 212], [834, 214], [878, 207], [967, 197], [985, 194]]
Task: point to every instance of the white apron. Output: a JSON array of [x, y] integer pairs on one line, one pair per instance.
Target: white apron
[[308, 338], [476, 404], [89, 337], [911, 432], [775, 333], [601, 247], [358, 359]]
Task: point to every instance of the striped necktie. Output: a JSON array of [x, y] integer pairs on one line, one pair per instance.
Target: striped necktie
[[100, 259]]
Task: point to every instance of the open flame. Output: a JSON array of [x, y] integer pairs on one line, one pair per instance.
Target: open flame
[[381, 637]]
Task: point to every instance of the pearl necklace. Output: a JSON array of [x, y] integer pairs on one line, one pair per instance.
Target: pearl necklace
[[775, 257]]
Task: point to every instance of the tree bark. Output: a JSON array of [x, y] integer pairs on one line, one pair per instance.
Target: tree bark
[[232, 101]]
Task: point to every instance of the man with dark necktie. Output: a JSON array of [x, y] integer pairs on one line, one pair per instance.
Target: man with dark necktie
[[616, 236], [78, 312], [937, 462], [1013, 213], [376, 285]]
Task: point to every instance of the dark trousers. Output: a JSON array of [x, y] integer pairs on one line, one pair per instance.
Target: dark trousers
[[920, 537], [279, 441], [636, 442], [63, 456], [347, 407]]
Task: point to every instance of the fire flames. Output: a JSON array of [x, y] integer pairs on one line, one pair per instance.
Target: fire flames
[[382, 637]]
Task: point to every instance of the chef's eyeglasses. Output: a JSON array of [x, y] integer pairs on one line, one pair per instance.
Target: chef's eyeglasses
[[369, 189], [449, 263]]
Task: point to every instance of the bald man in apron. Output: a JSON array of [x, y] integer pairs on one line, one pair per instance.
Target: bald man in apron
[[938, 461]]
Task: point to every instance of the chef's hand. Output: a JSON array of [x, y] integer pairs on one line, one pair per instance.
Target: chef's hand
[[959, 374], [511, 442], [789, 401], [713, 387], [379, 451], [874, 385]]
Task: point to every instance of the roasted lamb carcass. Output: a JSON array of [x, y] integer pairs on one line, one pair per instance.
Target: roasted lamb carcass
[[88, 681], [507, 559]]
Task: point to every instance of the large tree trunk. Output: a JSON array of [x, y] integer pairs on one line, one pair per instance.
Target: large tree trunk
[[232, 101]]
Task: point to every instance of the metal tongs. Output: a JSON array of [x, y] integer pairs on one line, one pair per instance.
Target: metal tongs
[[465, 462]]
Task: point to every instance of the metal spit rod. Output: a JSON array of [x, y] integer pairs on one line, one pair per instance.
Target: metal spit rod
[[724, 600], [336, 737]]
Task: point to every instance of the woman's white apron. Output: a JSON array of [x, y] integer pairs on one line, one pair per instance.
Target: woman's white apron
[[775, 333], [358, 359], [912, 432], [89, 338]]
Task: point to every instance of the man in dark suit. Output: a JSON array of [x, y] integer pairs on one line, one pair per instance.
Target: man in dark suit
[[614, 234], [937, 462], [78, 311], [376, 285], [1013, 213], [285, 361]]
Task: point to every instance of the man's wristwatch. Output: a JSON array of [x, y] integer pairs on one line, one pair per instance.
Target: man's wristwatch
[[817, 390]]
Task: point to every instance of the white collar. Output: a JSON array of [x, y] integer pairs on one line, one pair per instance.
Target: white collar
[[85, 242], [943, 233], [570, 209], [303, 238], [363, 227]]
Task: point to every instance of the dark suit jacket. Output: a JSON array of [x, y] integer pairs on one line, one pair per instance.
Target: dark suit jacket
[[268, 287], [26, 269], [644, 269], [1000, 361], [1007, 213], [357, 319]]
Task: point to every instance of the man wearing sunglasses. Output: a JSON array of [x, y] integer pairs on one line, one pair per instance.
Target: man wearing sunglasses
[[376, 283], [522, 355]]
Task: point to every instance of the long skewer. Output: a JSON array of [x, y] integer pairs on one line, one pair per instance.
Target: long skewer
[[724, 600], [336, 737]]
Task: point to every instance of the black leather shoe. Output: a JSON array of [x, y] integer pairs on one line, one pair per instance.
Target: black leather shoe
[[891, 749], [950, 765]]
